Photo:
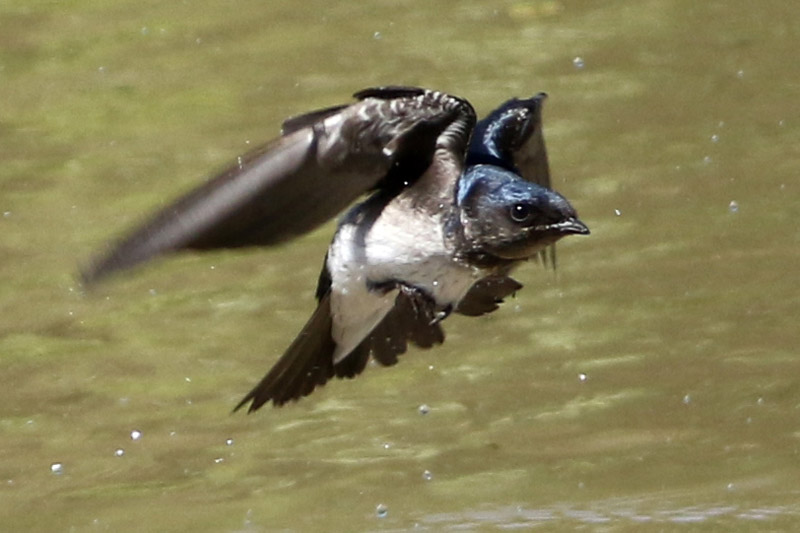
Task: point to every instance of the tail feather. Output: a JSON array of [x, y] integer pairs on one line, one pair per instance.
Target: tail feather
[[308, 362]]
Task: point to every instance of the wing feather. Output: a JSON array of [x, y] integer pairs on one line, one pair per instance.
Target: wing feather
[[323, 162]]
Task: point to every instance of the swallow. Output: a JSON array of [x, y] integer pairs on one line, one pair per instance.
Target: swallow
[[452, 205]]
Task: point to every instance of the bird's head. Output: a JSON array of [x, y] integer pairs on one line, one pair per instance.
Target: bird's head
[[506, 217]]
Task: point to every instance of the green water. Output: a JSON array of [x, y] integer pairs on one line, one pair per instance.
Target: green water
[[652, 384]]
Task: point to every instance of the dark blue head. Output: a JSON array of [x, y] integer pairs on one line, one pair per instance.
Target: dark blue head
[[507, 217]]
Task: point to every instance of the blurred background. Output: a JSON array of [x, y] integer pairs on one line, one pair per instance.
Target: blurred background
[[653, 380]]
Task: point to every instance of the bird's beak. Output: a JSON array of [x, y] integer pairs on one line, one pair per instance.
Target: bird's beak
[[572, 226]]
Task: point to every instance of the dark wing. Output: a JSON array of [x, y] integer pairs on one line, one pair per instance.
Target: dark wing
[[324, 161], [511, 137], [308, 362]]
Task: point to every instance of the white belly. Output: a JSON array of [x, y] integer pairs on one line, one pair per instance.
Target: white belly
[[407, 247]]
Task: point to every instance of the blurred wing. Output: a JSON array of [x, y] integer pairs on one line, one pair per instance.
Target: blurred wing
[[511, 137], [324, 161]]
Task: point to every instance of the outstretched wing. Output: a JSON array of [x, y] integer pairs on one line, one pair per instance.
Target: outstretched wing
[[323, 161], [511, 137]]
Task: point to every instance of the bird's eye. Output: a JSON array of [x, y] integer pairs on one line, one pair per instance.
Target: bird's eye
[[520, 212]]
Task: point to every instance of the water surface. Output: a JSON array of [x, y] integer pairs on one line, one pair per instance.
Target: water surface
[[652, 382]]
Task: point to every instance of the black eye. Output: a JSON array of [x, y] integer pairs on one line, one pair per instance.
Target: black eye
[[520, 212]]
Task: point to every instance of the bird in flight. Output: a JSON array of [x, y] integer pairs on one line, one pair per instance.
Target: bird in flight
[[452, 206]]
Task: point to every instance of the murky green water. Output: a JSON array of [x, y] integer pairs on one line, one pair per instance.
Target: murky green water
[[654, 382]]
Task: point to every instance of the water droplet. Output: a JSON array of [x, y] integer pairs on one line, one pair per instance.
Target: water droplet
[[582, 377], [229, 442], [424, 409], [715, 138], [136, 434], [687, 399], [119, 452], [381, 510], [578, 62], [733, 207], [57, 469], [427, 475]]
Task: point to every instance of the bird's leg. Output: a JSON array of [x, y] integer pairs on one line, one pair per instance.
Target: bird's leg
[[425, 304]]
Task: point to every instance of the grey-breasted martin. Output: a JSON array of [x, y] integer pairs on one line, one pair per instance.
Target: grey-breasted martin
[[453, 206]]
